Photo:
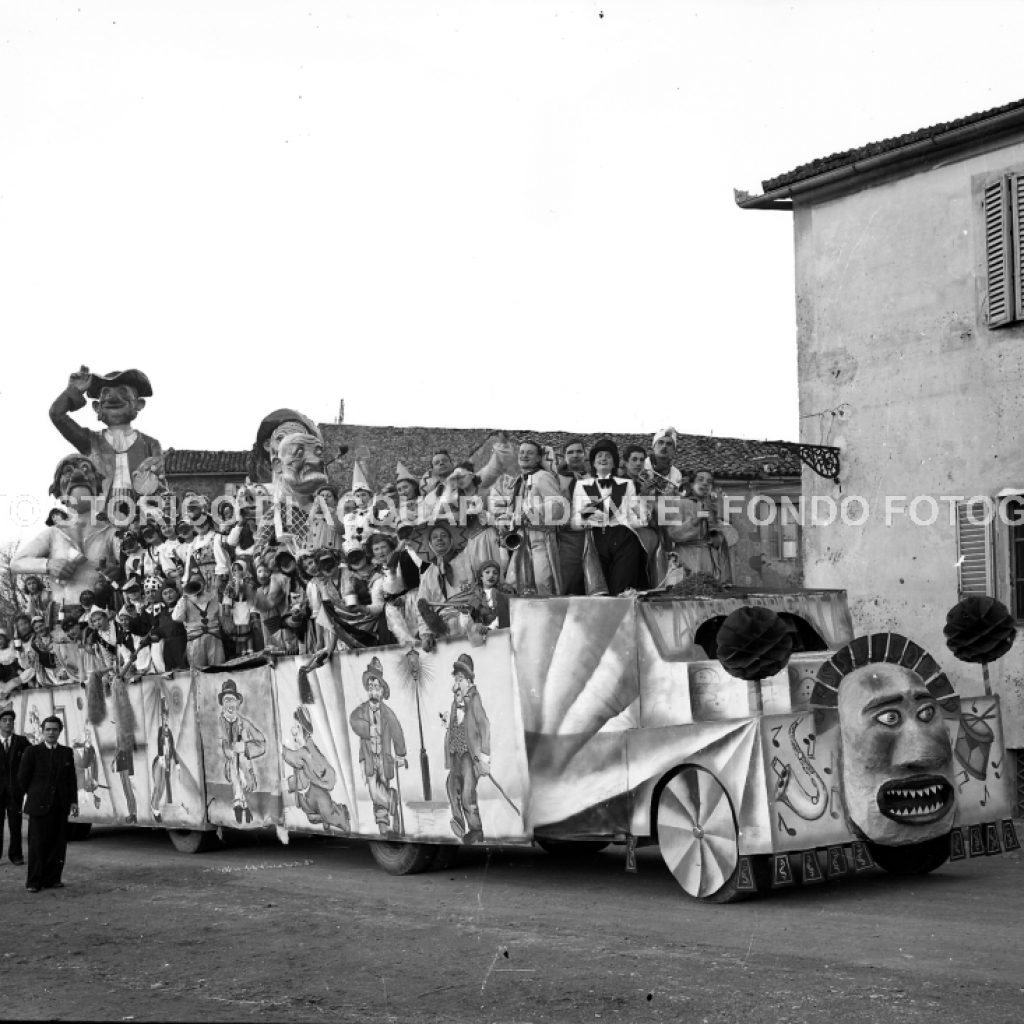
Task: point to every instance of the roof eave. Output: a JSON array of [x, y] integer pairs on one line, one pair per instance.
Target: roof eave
[[781, 198]]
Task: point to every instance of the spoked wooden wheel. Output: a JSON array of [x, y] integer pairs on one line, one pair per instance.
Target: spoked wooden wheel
[[697, 835]]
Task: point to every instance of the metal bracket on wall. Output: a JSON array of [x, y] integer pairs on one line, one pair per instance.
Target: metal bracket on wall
[[822, 458]]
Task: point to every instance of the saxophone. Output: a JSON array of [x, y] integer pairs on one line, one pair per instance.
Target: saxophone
[[791, 791]]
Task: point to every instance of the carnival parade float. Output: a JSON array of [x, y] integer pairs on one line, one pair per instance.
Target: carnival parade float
[[749, 734]]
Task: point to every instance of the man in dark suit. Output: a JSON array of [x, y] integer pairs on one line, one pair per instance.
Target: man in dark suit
[[47, 778], [11, 750]]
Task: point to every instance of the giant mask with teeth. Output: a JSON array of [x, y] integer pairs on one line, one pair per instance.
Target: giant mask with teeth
[[897, 760]]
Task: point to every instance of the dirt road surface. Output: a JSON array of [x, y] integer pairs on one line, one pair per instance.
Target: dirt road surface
[[314, 931]]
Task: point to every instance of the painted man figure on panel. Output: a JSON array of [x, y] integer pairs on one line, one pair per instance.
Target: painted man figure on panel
[[240, 742], [467, 751], [87, 766], [166, 756], [313, 778], [381, 746]]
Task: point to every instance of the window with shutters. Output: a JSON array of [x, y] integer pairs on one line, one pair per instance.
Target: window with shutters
[[780, 538], [1003, 200], [1014, 516], [974, 547]]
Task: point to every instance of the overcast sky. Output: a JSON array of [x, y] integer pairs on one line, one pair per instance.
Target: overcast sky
[[472, 214]]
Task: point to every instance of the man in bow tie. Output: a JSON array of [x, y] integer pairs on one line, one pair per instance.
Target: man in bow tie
[[606, 506], [12, 749], [48, 780]]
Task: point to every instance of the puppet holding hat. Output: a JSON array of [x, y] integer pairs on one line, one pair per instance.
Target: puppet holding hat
[[131, 463]]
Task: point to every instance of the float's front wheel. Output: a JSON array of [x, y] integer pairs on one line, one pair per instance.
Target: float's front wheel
[[403, 858], [698, 836], [916, 859], [187, 840]]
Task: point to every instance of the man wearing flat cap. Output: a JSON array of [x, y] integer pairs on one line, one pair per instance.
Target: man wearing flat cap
[[381, 745], [130, 462]]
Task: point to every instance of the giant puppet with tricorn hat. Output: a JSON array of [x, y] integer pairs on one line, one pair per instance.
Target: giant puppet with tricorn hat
[[130, 462]]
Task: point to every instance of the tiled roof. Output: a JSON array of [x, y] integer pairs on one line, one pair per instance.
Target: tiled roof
[[182, 462], [729, 457], [849, 156]]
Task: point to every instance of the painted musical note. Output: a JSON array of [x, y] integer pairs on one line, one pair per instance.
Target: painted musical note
[[834, 802], [960, 785], [783, 825], [809, 742], [997, 765], [984, 799], [832, 763], [775, 735]]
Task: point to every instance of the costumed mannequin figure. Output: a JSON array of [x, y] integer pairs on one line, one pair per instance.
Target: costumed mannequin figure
[[130, 462], [76, 554]]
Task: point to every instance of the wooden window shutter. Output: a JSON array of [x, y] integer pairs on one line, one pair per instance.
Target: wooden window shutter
[[1017, 262], [768, 532], [974, 542], [998, 255]]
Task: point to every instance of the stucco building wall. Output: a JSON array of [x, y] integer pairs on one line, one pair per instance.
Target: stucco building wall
[[927, 400]]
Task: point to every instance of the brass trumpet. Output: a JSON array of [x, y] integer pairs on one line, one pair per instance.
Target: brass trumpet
[[194, 587]]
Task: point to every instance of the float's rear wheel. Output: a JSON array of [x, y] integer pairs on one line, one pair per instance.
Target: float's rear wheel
[[570, 849], [698, 836], [187, 840], [916, 859], [78, 831], [403, 858]]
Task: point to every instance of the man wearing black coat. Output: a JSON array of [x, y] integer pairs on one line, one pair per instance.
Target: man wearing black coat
[[11, 750], [47, 778]]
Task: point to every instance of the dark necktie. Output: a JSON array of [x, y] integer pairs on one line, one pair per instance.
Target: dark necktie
[[605, 484]]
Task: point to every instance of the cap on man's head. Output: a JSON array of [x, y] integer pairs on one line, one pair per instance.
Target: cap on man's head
[[669, 432]]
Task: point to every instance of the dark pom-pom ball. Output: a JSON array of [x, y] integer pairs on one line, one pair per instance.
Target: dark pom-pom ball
[[754, 643], [979, 629]]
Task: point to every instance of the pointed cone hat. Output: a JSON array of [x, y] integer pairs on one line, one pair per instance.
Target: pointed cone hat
[[402, 473], [359, 479]]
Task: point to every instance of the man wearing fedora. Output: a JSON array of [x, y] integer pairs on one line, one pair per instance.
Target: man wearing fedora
[[467, 751], [241, 743], [12, 749], [381, 745], [130, 462]]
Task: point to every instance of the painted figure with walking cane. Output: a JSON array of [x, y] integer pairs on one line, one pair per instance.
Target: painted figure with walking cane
[[381, 749], [467, 751]]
